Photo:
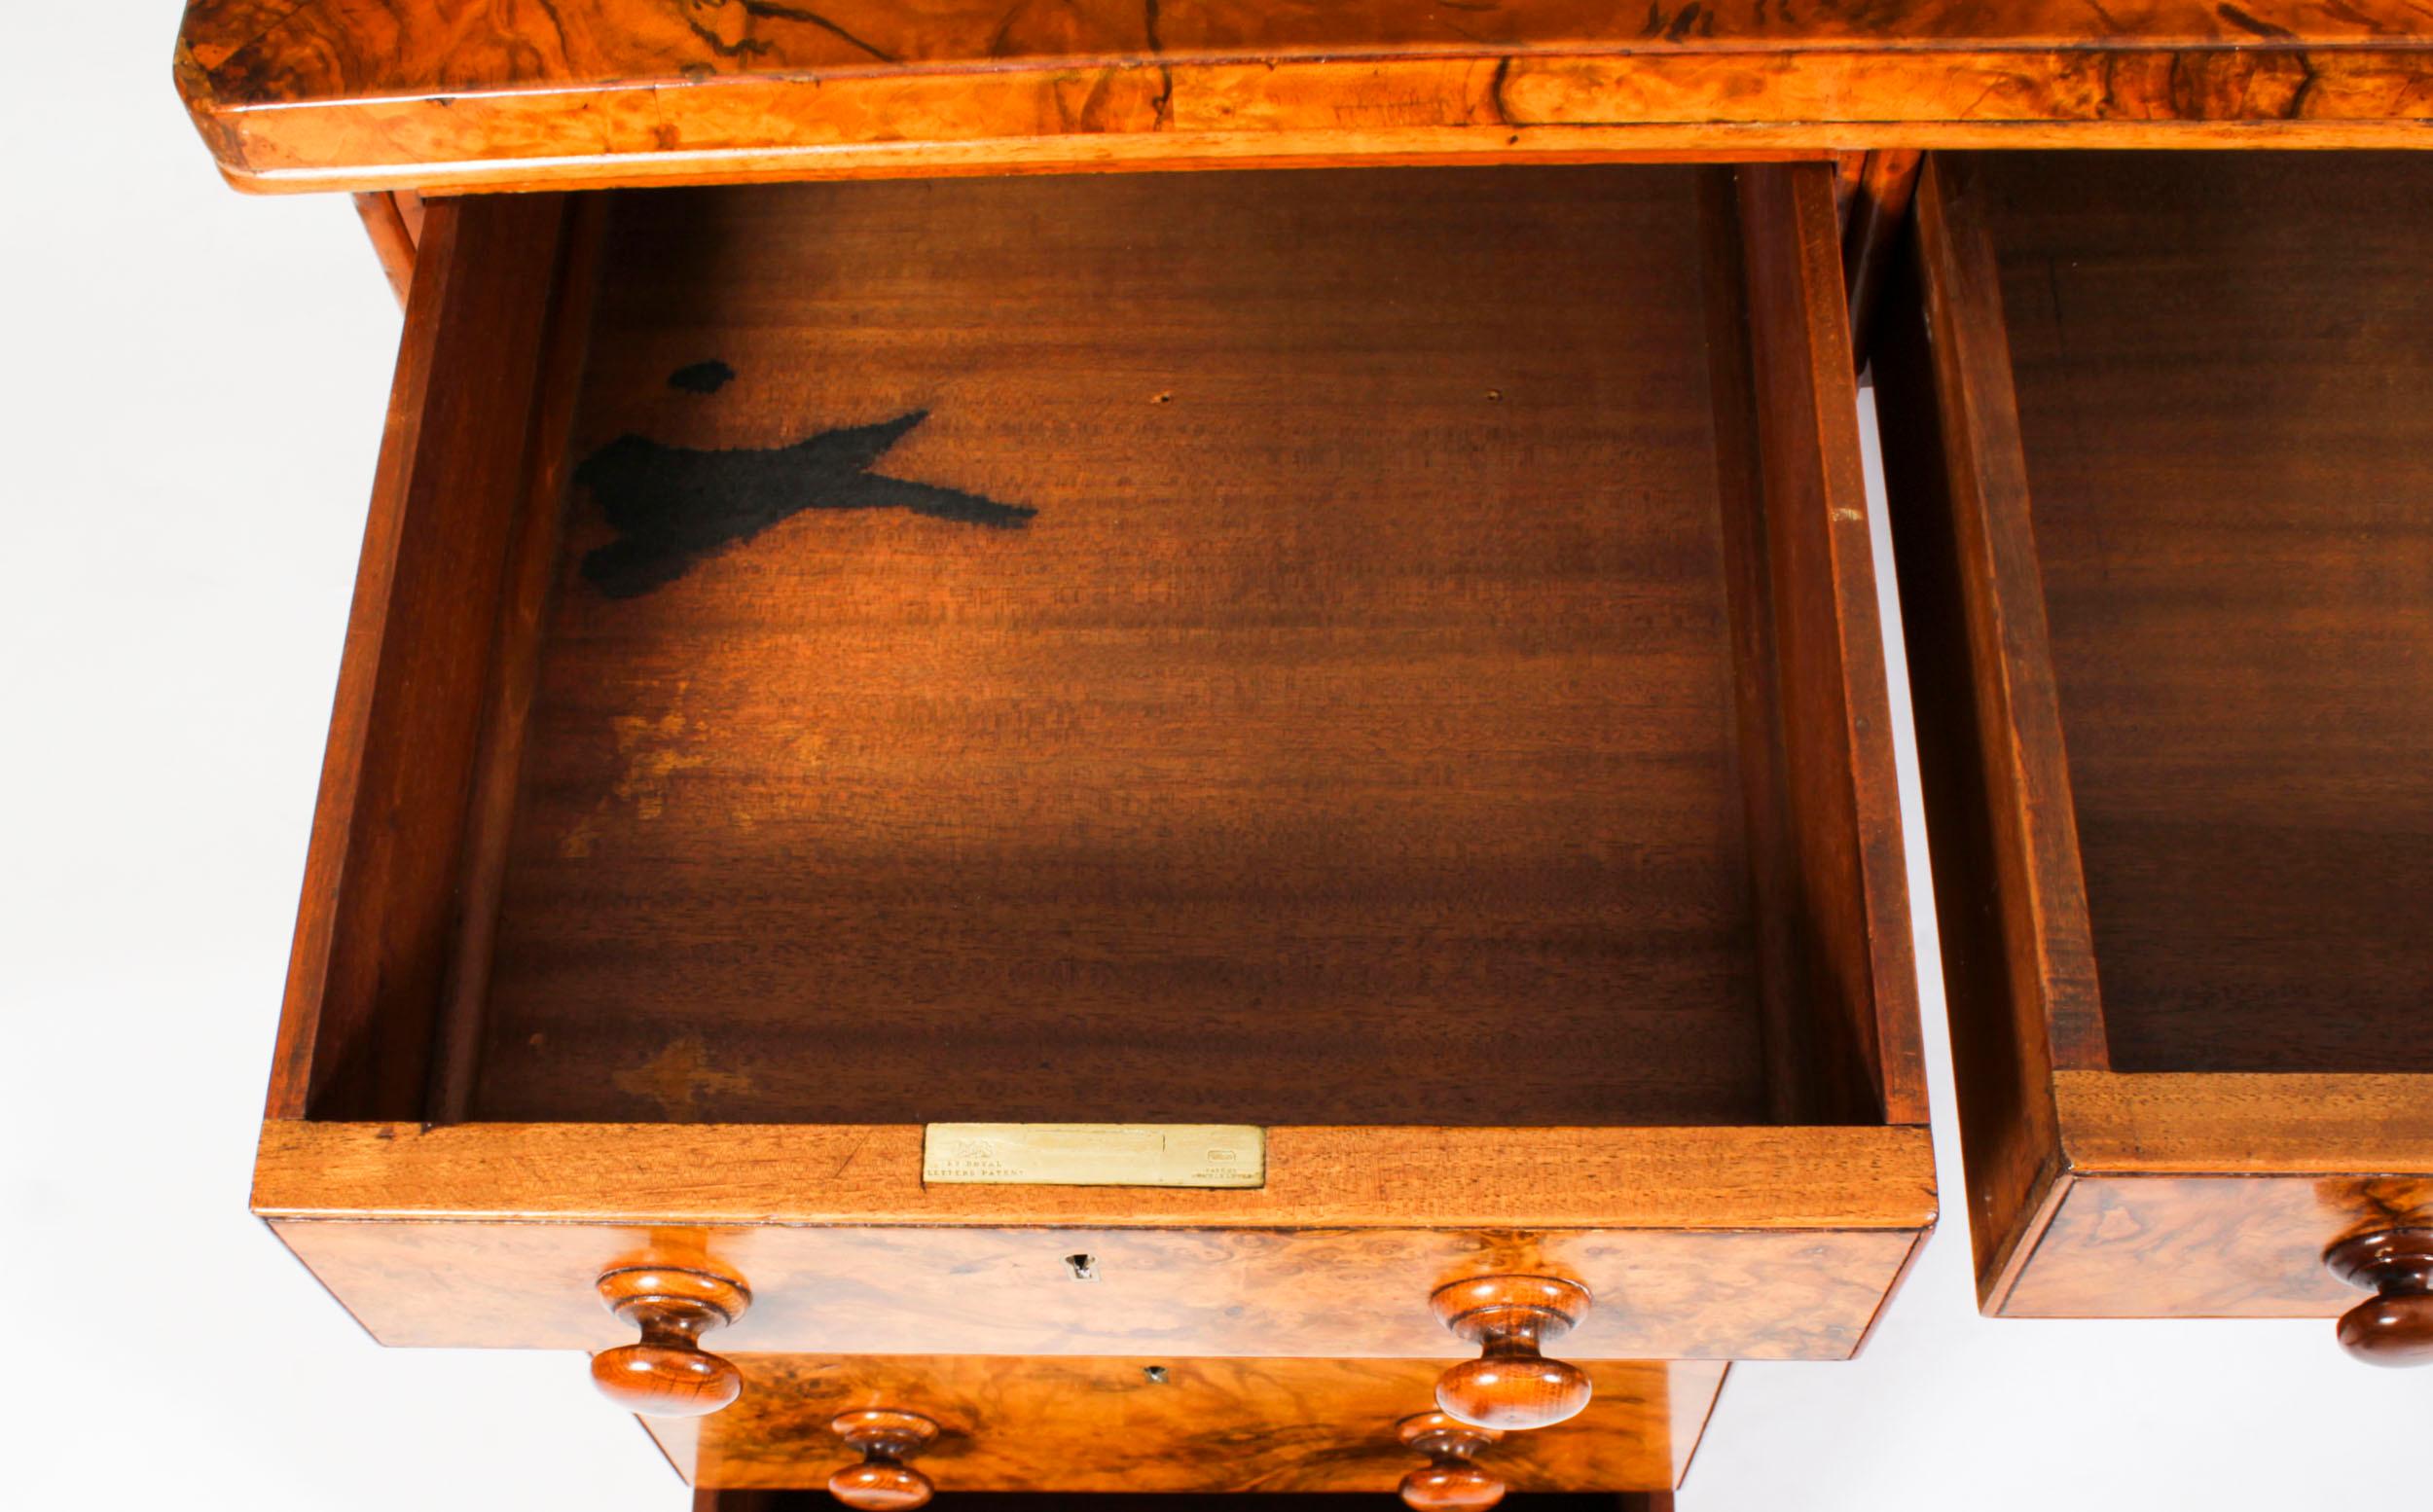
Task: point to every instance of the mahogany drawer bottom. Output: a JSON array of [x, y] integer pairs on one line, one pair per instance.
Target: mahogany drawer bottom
[[1173, 1426]]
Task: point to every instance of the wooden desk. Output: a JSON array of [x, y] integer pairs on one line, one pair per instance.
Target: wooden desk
[[1390, 659]]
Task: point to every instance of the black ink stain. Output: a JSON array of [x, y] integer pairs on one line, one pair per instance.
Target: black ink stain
[[702, 378], [672, 505]]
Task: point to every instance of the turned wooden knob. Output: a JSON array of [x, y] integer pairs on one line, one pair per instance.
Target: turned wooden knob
[[1510, 1386], [2395, 1326], [1449, 1482], [669, 1374], [885, 1439]]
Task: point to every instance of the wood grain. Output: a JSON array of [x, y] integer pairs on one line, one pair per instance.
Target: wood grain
[[1215, 1501], [392, 240], [620, 90], [1372, 610], [2180, 1124], [2225, 380], [1374, 1177], [1810, 1227], [2018, 967], [1848, 901], [1351, 733], [2216, 1196], [379, 914], [1286, 834], [514, 663], [1339, 1266], [2213, 1246], [1247, 1292], [1093, 1425], [2223, 599]]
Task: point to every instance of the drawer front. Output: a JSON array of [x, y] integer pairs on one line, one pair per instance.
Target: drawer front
[[1247, 1292], [1156, 1424], [2205, 1246], [2222, 1195]]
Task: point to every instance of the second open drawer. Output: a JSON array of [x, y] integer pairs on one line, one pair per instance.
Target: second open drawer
[[2159, 436]]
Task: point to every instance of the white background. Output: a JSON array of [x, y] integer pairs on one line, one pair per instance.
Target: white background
[[192, 386]]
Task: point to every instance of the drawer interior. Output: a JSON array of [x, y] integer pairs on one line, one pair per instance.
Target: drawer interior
[[2224, 366], [1265, 647]]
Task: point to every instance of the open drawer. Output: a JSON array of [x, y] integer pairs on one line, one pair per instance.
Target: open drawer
[[1384, 661], [2160, 437], [1178, 1425]]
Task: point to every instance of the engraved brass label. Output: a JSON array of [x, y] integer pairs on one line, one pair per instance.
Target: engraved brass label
[[1227, 1155]]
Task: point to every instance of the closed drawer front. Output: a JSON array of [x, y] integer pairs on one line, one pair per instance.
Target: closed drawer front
[[1385, 659], [2159, 436], [1170, 1425]]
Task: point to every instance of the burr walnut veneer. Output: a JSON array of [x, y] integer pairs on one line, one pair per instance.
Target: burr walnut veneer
[[467, 93], [2160, 435], [1387, 657], [1169, 1426], [1165, 1501]]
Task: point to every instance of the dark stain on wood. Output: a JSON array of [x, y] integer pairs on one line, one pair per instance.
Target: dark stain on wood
[[672, 505], [702, 378]]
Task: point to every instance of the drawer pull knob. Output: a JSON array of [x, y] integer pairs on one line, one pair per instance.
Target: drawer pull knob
[[1510, 1386], [1449, 1482], [2394, 1326], [669, 1374], [885, 1440]]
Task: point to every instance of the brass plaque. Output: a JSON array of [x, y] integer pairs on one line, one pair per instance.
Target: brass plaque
[[1233, 1154]]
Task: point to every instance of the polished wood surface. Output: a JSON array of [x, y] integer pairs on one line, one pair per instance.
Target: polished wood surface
[[1231, 805], [2219, 1195], [2223, 418], [746, 817], [1223, 1502], [667, 1373], [885, 1437], [2248, 1246], [1844, 1022], [622, 92], [465, 455], [1511, 1387], [2009, 901], [2225, 380], [1451, 1480], [1251, 1292], [1742, 1179], [2395, 1326], [625, 802], [1172, 1424], [392, 240]]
